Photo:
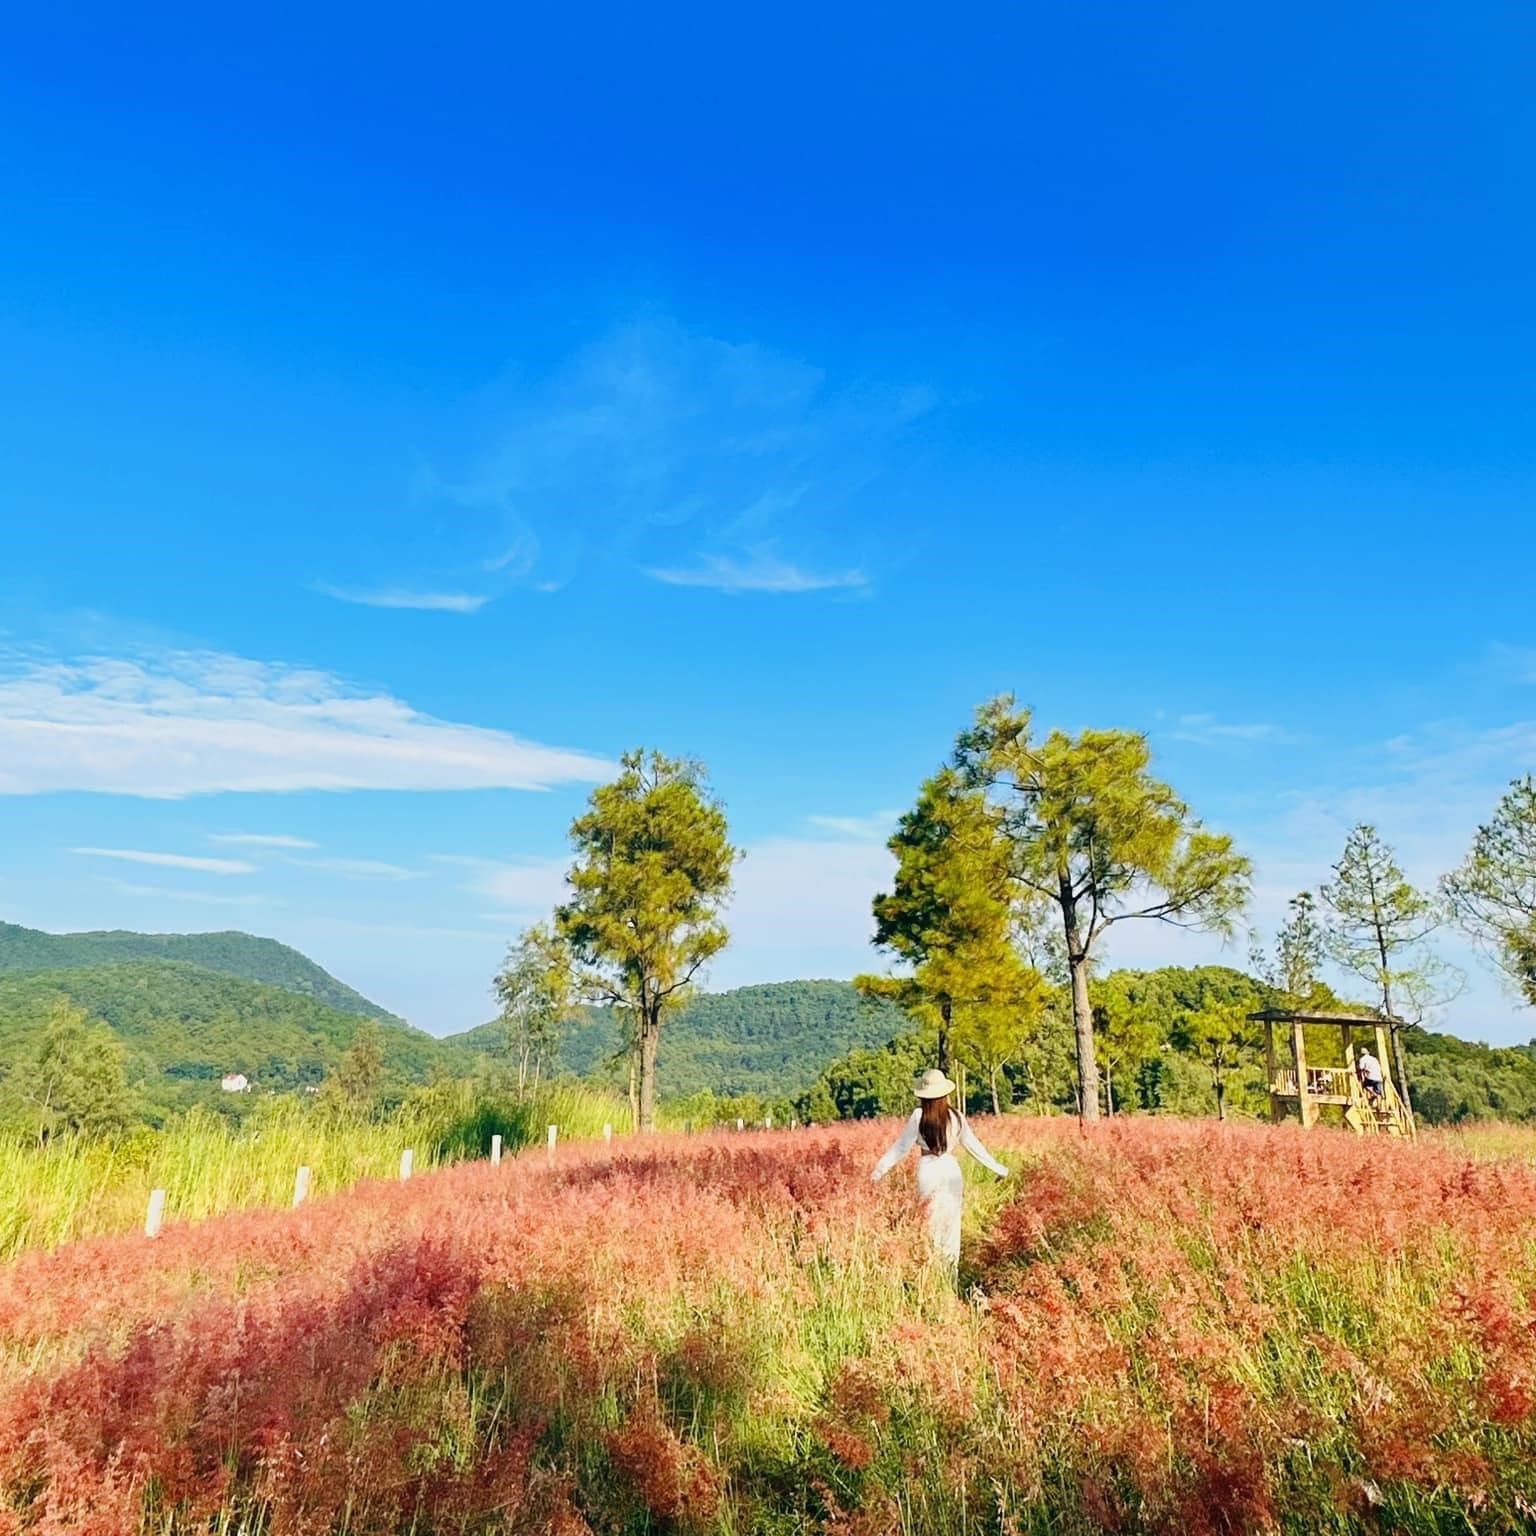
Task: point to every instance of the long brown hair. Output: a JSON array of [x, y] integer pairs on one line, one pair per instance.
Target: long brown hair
[[933, 1126]]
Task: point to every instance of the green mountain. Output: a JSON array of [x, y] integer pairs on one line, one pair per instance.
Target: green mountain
[[183, 1027], [770, 1040], [231, 954]]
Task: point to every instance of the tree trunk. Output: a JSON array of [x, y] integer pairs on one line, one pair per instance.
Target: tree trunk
[[996, 1107], [1221, 1098], [946, 1016], [650, 1034], [1082, 1010], [634, 1095], [1399, 1055], [1402, 1072], [1109, 1093]]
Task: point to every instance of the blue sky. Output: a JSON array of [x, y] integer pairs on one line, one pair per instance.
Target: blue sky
[[402, 414]]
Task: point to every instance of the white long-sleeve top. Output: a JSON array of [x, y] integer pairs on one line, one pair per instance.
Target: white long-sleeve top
[[959, 1130]]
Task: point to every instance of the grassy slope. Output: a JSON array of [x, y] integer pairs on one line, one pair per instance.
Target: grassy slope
[[231, 953]]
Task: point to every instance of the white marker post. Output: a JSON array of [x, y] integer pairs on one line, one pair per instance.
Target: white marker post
[[767, 1122], [495, 1150], [155, 1214], [607, 1132], [407, 1158], [741, 1124], [300, 1186], [554, 1133]]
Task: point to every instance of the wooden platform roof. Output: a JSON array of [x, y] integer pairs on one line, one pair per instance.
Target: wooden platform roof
[[1305, 1016]]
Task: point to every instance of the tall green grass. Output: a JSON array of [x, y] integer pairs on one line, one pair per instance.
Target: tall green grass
[[75, 1187]]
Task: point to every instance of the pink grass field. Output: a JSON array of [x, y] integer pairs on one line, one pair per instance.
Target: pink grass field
[[1161, 1326]]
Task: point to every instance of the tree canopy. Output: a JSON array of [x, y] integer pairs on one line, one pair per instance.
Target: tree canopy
[[536, 990], [1091, 831], [652, 872], [949, 915], [1493, 893]]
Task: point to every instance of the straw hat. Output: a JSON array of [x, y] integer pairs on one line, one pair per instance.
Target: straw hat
[[932, 1085]]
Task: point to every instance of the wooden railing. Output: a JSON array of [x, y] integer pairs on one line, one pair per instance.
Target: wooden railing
[[1334, 1082]]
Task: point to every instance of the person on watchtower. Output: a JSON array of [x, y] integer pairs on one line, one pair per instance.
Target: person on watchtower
[[939, 1128], [1370, 1074]]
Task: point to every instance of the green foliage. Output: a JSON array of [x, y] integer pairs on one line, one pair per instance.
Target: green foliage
[[1493, 893], [1299, 954], [1378, 921], [182, 1028], [355, 1085], [1090, 830], [1458, 1081], [949, 916], [769, 1040], [1127, 1034], [73, 1085], [230, 954], [705, 1111], [652, 871], [535, 989], [867, 1083], [1220, 1036]]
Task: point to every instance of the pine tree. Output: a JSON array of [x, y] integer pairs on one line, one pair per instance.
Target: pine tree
[[75, 1084], [652, 872], [1493, 893], [1299, 946], [1092, 831], [948, 914], [1218, 1035], [357, 1079], [534, 988], [1377, 927]]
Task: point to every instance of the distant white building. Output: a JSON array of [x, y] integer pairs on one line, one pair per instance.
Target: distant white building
[[235, 1082]]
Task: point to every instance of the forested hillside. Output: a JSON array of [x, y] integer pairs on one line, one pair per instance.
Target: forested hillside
[[183, 1027], [231, 954], [770, 1040]]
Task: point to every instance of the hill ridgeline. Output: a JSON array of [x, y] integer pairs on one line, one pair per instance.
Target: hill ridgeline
[[230, 954]]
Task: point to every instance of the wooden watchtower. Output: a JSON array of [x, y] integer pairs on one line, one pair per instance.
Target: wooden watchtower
[[1296, 1081]]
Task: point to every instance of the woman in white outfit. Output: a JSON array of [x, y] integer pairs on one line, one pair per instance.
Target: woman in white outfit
[[940, 1183]]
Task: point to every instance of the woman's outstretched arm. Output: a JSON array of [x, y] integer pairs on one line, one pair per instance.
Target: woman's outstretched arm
[[898, 1149], [972, 1144]]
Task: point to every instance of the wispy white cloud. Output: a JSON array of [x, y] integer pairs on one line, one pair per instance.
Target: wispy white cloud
[[761, 570], [521, 888], [1207, 730], [170, 860], [807, 896], [1510, 663], [191, 898], [202, 722], [261, 840], [359, 869], [399, 597], [652, 443], [868, 829]]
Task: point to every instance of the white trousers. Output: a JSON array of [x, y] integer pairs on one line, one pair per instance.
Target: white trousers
[[941, 1188]]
